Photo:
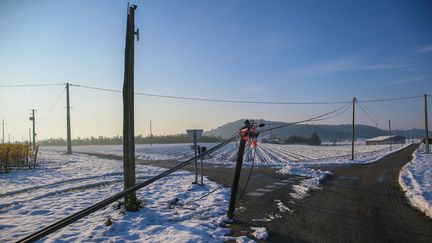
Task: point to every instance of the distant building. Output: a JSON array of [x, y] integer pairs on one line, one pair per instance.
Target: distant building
[[395, 139]]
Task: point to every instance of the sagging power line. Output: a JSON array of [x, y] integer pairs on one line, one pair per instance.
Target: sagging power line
[[219, 100], [216, 100]]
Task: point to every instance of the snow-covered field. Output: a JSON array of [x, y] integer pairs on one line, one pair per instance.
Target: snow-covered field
[[416, 180], [266, 154], [62, 184]]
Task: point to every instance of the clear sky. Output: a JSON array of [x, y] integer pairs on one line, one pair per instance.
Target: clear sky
[[249, 50]]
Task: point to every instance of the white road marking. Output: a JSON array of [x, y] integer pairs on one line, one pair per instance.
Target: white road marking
[[280, 184], [264, 190], [274, 187], [255, 194]]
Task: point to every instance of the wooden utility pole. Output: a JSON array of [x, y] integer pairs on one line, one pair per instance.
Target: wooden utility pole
[[131, 202], [33, 119], [151, 135], [68, 123], [3, 130], [353, 128], [234, 187], [390, 135], [426, 125]]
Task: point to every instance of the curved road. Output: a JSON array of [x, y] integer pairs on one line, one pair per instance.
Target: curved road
[[359, 203]]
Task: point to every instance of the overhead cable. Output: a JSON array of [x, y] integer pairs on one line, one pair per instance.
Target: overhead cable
[[216, 100]]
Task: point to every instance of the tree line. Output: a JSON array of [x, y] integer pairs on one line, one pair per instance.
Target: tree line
[[117, 140], [313, 139]]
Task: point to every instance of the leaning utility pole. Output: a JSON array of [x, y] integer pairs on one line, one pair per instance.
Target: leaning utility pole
[[426, 124], [131, 202], [239, 162], [390, 135], [68, 123], [353, 129], [32, 118]]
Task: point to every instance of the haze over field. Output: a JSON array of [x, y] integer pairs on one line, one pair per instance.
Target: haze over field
[[235, 50]]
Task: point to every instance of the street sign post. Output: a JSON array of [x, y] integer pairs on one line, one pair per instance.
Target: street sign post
[[195, 134]]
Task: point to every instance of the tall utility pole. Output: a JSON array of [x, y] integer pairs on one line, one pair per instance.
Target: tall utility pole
[[426, 124], [131, 202], [68, 123], [151, 135], [353, 129], [32, 118], [390, 135], [3, 130]]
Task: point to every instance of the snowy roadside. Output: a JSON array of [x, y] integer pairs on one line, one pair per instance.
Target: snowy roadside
[[173, 208], [415, 179]]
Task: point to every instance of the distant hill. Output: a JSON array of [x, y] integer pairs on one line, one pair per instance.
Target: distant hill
[[325, 132]]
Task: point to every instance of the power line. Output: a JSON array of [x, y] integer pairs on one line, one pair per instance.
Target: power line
[[52, 108], [30, 85], [306, 120], [367, 114], [215, 100], [390, 99], [221, 100]]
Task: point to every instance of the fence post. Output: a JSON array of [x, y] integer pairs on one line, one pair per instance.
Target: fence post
[[234, 187]]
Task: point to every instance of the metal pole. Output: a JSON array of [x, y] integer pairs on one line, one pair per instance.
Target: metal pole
[[426, 124], [390, 135], [353, 129], [68, 122], [131, 202], [236, 179]]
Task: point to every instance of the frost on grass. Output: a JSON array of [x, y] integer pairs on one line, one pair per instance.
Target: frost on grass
[[260, 233], [62, 185], [416, 180]]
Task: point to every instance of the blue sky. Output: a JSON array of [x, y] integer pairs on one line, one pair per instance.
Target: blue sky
[[251, 50]]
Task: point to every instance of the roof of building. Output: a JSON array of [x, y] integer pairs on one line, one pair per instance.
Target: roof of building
[[380, 138]]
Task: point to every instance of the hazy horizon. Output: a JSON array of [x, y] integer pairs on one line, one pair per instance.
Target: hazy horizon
[[273, 51]]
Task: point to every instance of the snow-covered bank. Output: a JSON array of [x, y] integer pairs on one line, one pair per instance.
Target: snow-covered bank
[[416, 180], [173, 210]]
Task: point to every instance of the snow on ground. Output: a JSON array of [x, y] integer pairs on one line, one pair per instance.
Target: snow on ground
[[62, 185], [260, 233], [266, 154], [312, 181], [416, 180]]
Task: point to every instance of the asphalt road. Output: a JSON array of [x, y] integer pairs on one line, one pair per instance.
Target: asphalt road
[[359, 203]]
